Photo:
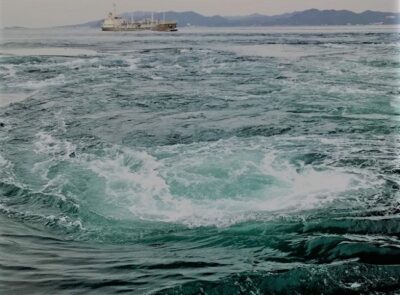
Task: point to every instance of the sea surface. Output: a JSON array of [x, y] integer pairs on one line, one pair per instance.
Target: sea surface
[[207, 161]]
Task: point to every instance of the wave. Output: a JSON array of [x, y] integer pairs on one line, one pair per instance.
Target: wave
[[349, 278], [232, 174]]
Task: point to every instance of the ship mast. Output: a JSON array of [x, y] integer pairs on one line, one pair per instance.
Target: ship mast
[[114, 9]]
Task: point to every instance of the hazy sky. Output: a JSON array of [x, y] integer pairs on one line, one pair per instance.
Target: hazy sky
[[38, 13]]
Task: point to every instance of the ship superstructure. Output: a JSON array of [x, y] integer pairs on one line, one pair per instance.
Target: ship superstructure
[[113, 22]]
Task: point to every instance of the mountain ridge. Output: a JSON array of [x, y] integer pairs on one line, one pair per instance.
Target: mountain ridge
[[310, 17]]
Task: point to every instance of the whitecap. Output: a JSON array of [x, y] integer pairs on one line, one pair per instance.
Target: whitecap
[[133, 63], [155, 77], [35, 85], [10, 71], [52, 150]]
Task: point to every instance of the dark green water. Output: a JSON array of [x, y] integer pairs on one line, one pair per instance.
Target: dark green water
[[240, 161]]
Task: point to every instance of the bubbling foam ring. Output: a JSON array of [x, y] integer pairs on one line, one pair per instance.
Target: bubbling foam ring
[[217, 184]]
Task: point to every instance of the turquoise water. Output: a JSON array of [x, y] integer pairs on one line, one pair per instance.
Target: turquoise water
[[226, 161]]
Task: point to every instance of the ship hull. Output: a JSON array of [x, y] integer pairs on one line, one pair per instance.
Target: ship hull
[[161, 27], [138, 29]]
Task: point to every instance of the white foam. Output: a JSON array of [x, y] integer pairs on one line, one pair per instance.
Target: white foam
[[218, 184], [132, 177], [58, 80], [72, 63], [49, 145], [11, 71], [355, 285], [133, 63], [65, 221], [61, 125], [155, 77], [53, 150], [3, 162]]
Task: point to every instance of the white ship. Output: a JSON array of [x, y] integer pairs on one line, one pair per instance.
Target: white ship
[[117, 23]]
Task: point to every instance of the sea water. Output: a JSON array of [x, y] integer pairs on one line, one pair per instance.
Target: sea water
[[207, 161]]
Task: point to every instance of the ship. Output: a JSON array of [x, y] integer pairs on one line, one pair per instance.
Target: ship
[[115, 23]]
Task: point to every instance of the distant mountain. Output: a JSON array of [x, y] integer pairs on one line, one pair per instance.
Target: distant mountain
[[315, 17], [311, 17], [14, 28]]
